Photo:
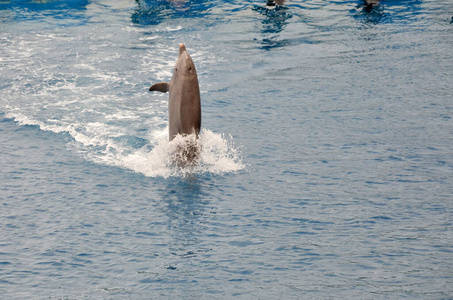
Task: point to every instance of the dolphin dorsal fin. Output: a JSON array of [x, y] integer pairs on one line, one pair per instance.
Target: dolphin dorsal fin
[[160, 87]]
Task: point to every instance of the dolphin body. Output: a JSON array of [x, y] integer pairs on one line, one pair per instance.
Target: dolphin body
[[184, 107]]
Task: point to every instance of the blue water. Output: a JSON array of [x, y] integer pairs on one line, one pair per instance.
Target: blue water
[[327, 162]]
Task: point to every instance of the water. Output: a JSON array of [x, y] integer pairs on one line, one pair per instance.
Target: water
[[327, 162]]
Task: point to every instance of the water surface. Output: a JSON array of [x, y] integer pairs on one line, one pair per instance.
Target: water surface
[[327, 166]]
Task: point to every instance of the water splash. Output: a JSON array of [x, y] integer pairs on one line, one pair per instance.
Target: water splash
[[152, 158], [218, 155]]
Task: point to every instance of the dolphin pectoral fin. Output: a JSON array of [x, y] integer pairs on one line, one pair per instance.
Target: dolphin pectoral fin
[[160, 87]]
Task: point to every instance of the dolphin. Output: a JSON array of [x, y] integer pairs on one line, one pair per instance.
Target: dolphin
[[184, 107]]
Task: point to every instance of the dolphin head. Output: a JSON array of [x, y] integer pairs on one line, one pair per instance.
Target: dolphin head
[[184, 65]]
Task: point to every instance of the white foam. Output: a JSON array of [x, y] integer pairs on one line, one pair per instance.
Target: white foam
[[95, 141], [218, 156], [149, 38], [24, 120], [168, 28]]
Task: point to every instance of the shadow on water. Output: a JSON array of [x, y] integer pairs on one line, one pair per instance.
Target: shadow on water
[[386, 11], [276, 19], [152, 12], [370, 11], [185, 207]]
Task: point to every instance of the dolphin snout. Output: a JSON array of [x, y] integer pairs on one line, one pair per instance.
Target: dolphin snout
[[182, 48]]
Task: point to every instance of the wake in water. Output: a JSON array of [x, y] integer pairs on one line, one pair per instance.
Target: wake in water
[[153, 158]]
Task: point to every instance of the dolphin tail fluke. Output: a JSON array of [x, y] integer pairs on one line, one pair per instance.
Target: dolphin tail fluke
[[160, 87]]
